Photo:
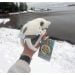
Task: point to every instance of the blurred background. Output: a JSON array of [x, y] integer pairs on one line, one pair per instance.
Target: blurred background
[[7, 7]]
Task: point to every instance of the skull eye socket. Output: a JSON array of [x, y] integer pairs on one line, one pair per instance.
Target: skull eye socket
[[41, 23]]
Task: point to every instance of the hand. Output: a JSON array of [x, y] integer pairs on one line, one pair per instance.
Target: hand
[[27, 51]]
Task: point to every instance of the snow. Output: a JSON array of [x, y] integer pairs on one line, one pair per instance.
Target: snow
[[62, 60], [4, 20], [18, 12], [10, 48]]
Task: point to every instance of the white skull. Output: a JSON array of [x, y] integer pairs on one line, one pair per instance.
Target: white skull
[[35, 27]]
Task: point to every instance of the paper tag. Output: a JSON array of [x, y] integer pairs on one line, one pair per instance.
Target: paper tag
[[46, 48]]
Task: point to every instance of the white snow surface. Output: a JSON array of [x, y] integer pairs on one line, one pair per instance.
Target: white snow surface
[[62, 60], [4, 20]]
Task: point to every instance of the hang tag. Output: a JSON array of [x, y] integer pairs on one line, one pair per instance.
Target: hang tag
[[46, 48]]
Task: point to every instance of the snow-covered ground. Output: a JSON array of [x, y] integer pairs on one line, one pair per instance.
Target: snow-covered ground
[[4, 20], [62, 60]]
